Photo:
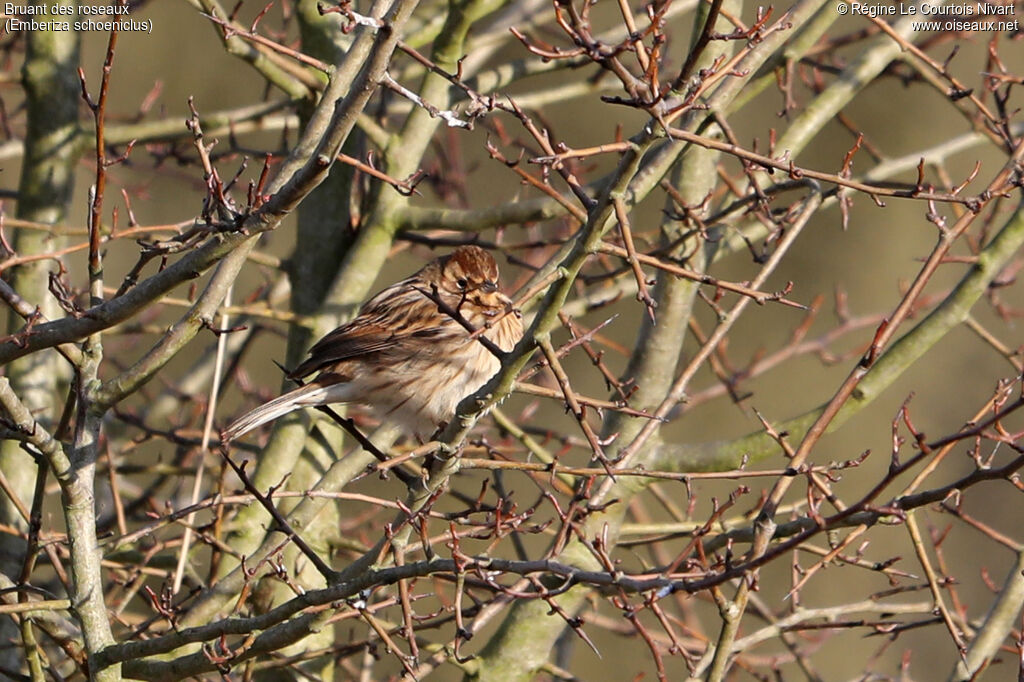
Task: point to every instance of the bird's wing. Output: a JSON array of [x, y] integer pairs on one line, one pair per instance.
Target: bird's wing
[[383, 323], [349, 341]]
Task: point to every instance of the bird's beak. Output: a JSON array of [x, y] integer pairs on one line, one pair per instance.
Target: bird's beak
[[489, 287]]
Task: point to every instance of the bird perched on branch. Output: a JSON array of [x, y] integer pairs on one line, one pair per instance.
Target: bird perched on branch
[[410, 354]]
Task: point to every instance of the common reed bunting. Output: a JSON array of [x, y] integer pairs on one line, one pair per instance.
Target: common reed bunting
[[405, 355]]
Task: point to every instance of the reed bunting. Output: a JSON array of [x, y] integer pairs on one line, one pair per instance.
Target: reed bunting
[[406, 355]]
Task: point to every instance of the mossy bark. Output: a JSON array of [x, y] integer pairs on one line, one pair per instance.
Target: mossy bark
[[51, 85]]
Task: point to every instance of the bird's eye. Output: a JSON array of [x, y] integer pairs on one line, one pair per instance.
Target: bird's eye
[[462, 283]]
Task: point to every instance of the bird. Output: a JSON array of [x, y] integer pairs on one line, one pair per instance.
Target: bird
[[409, 354]]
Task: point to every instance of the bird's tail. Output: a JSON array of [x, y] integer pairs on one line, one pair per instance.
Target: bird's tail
[[305, 396]]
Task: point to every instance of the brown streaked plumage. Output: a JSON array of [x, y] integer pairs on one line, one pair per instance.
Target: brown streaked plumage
[[402, 356]]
